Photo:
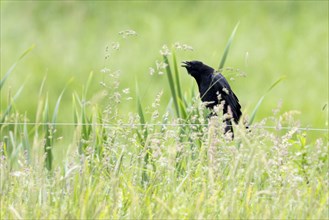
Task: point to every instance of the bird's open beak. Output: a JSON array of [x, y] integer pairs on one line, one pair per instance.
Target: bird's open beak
[[185, 64]]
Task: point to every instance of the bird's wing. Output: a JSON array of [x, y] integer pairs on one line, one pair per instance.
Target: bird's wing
[[221, 85]]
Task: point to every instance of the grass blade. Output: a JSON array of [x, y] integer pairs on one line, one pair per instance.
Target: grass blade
[[57, 107], [182, 109], [48, 136], [275, 83], [171, 84], [139, 106], [141, 118], [51, 129], [26, 52], [177, 80], [75, 111], [88, 84], [253, 114], [140, 112], [2, 82], [26, 143], [181, 100], [227, 48], [8, 109]]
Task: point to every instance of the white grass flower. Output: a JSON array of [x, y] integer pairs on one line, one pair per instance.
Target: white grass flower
[[126, 91], [151, 71], [127, 33], [155, 114], [17, 173], [178, 45], [160, 66], [115, 45], [117, 97], [187, 47], [184, 47], [165, 50], [105, 70]]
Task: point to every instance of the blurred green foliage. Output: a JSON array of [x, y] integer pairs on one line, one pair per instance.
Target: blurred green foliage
[[73, 38]]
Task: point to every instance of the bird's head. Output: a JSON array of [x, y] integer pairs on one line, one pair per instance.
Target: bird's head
[[197, 68]]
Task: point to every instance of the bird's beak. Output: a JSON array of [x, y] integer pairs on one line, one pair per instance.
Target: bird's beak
[[185, 64]]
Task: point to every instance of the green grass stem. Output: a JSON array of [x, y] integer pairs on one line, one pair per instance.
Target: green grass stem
[[227, 48], [254, 112]]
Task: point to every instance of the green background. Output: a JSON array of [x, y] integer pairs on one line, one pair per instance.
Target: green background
[[274, 38]]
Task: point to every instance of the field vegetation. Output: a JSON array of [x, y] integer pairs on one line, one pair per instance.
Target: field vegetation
[[99, 121]]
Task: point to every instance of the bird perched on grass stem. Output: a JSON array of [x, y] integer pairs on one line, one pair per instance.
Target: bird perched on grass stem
[[214, 89]]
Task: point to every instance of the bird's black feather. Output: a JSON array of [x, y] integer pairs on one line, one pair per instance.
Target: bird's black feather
[[214, 89]]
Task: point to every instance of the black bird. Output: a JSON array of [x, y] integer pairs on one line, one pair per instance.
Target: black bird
[[214, 89]]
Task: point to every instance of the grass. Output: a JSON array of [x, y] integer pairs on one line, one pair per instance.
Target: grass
[[158, 156], [261, 174], [181, 169]]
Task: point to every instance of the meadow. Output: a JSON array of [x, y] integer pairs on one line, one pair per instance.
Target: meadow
[[99, 121]]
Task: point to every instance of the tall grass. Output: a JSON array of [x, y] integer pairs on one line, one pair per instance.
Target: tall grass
[[13, 119], [11, 100], [151, 166], [269, 176], [50, 130]]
